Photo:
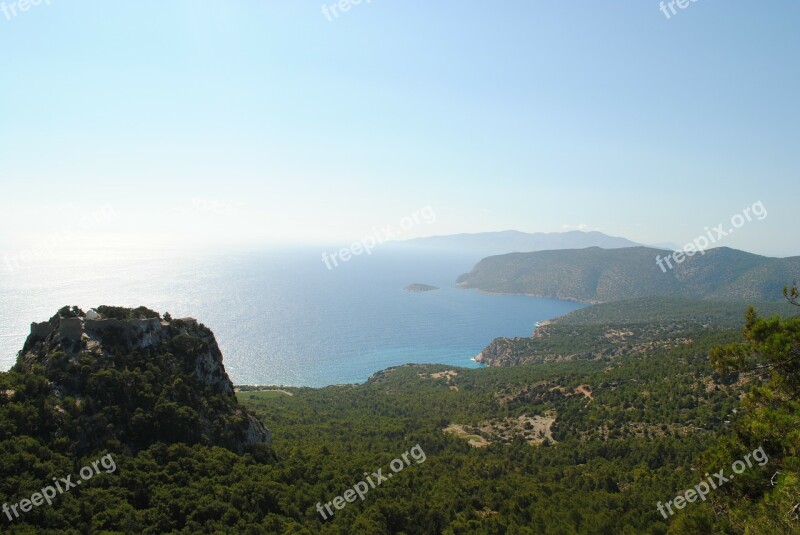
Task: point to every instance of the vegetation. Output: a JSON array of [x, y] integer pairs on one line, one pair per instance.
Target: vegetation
[[771, 420], [71, 312], [660, 310], [122, 313], [597, 275], [631, 428], [631, 326], [110, 390]]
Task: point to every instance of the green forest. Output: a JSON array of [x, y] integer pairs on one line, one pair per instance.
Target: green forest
[[586, 445]]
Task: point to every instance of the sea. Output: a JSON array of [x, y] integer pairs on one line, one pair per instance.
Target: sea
[[280, 316]]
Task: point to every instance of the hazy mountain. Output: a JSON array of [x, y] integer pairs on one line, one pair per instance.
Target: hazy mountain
[[484, 244], [601, 275]]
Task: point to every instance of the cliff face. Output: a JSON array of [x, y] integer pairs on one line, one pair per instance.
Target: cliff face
[[498, 353], [137, 379], [511, 351]]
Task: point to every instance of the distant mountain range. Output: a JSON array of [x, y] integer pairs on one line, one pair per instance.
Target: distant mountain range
[[484, 244], [596, 275]]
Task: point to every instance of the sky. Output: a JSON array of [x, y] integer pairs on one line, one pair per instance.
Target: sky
[[211, 124]]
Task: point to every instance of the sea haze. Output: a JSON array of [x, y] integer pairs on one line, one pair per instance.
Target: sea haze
[[280, 316]]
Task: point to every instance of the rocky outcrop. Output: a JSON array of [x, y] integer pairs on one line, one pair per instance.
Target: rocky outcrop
[[192, 394], [256, 432], [147, 332], [208, 367], [497, 353], [75, 334]]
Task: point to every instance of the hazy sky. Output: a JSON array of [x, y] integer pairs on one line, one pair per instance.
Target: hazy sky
[[254, 121]]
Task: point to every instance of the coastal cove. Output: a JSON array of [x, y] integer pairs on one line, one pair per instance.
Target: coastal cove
[[279, 316]]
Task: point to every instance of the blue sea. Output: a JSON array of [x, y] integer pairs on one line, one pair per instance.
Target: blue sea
[[279, 315]]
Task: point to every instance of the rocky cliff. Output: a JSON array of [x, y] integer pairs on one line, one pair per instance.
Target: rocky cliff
[[133, 378]]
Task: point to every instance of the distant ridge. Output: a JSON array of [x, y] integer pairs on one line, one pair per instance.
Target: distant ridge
[[510, 241], [596, 275]]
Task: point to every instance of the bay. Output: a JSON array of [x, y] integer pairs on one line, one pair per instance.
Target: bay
[[279, 315]]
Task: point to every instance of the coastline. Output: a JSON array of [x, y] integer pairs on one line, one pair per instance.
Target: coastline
[[554, 298]]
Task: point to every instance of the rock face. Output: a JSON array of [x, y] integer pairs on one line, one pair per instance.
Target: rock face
[[73, 334], [147, 332], [166, 377], [497, 353], [511, 351]]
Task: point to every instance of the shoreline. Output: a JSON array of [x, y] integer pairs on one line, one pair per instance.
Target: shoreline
[[537, 296], [475, 359]]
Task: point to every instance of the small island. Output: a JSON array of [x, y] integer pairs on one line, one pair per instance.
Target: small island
[[420, 288]]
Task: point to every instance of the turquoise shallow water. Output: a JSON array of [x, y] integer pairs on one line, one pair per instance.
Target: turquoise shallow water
[[279, 315]]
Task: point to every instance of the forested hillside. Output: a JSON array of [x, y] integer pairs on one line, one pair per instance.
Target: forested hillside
[[564, 446], [631, 326], [597, 275]]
